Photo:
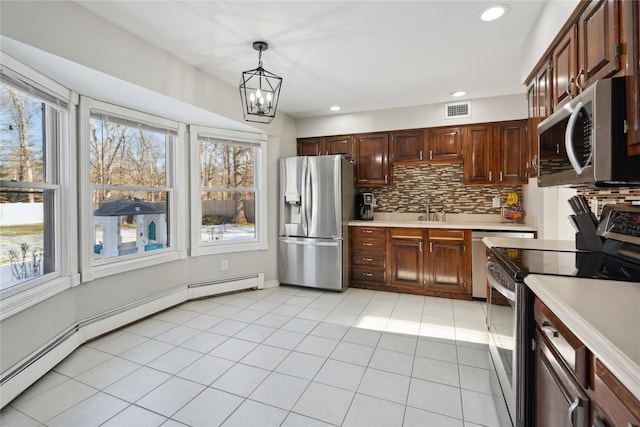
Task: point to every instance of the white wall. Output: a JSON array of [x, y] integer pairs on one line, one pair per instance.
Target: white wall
[[549, 207], [49, 35], [553, 16], [499, 108]]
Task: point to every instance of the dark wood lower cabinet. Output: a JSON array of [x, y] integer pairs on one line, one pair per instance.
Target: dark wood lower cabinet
[[433, 262], [406, 257], [449, 258], [559, 399], [572, 387]]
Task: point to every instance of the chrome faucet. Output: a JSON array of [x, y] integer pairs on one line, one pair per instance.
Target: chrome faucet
[[427, 209]]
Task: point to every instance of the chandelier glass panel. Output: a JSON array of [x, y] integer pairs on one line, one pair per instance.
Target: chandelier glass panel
[[259, 91]]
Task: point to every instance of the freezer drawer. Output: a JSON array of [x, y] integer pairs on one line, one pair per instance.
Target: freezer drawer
[[315, 263]]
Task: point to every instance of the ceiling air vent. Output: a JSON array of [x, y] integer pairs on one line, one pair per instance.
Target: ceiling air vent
[[457, 110]]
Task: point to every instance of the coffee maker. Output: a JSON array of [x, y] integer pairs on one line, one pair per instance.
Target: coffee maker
[[364, 206]]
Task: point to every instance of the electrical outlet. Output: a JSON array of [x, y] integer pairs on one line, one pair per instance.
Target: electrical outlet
[[496, 202], [224, 265]]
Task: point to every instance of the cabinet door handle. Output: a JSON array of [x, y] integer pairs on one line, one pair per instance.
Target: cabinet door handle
[[557, 148], [367, 231], [500, 176], [490, 176], [367, 259], [367, 274], [430, 154], [534, 162], [367, 244], [576, 402], [327, 153], [568, 91], [430, 246], [549, 330], [420, 154], [420, 246], [385, 178], [584, 76]]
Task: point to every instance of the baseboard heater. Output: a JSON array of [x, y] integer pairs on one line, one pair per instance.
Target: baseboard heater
[[223, 286], [28, 371]]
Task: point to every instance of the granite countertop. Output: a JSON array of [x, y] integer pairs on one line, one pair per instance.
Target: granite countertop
[[603, 314], [453, 221]]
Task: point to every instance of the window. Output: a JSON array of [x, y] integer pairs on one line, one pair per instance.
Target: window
[[228, 214], [130, 197], [34, 141]]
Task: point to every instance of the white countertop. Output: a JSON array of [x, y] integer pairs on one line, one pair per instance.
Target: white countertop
[[603, 314], [453, 221], [547, 245]]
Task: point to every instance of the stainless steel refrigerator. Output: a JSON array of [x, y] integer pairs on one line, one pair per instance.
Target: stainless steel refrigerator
[[316, 202]]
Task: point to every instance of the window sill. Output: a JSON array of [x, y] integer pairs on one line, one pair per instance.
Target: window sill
[[123, 266], [228, 248]]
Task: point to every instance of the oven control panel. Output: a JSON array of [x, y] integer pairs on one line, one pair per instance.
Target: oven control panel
[[620, 222]]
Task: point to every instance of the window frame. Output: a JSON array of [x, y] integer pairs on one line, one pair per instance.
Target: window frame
[[90, 269], [60, 124], [258, 142]]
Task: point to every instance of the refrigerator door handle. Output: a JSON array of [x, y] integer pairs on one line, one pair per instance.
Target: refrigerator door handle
[[308, 196], [305, 194]]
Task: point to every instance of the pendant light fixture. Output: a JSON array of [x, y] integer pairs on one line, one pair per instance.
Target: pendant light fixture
[[259, 91]]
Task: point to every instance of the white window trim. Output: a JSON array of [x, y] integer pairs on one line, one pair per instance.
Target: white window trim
[[66, 274], [177, 250], [197, 248]]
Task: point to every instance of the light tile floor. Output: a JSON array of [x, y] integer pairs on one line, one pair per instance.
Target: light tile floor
[[278, 357]]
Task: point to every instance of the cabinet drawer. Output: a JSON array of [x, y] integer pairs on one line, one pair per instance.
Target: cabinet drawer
[[615, 403], [369, 259], [364, 274], [569, 348], [405, 233], [446, 234], [367, 244], [376, 232]]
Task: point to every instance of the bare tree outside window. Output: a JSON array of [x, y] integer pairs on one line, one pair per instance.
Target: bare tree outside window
[[228, 190]]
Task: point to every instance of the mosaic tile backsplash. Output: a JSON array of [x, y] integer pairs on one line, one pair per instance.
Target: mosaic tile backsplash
[[618, 195], [445, 188]]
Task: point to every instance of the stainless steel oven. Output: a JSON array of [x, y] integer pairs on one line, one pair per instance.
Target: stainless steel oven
[[506, 321]]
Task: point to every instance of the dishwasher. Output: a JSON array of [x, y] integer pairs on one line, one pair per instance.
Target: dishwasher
[[479, 257]]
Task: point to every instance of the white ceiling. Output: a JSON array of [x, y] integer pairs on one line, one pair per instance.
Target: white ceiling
[[361, 55]]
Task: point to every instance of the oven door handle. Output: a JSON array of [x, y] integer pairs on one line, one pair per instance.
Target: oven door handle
[[508, 294]]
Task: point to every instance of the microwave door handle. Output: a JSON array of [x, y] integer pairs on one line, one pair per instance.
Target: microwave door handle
[[568, 139]]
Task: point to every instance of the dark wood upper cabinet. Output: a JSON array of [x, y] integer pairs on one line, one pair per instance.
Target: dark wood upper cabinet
[[444, 144], [408, 146], [372, 160], [495, 154], [511, 145], [339, 145], [329, 145], [632, 25], [599, 42], [431, 145], [544, 95], [310, 146], [478, 167], [564, 60]]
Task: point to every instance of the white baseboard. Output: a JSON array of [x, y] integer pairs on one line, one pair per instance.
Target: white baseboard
[[271, 284], [26, 372]]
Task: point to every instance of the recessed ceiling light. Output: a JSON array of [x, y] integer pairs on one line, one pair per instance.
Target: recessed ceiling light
[[494, 12], [458, 93], [334, 108]]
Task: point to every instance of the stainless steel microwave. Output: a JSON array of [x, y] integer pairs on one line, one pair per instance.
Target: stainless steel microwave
[[584, 142]]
